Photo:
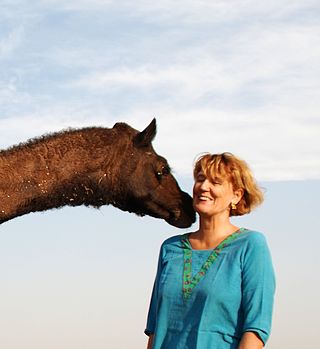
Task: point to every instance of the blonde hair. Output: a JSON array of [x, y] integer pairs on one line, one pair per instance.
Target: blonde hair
[[235, 170]]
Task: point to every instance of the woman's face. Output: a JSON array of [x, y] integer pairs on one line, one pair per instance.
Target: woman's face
[[213, 197]]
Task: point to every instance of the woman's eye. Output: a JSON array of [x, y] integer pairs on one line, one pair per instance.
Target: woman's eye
[[200, 178]]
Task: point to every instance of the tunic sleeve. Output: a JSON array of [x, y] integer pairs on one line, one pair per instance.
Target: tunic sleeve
[[258, 287], [152, 314]]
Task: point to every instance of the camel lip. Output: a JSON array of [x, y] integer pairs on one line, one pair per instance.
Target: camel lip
[[176, 217], [181, 223], [181, 219]]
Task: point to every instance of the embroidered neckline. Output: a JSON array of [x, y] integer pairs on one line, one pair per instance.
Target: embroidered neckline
[[189, 282]]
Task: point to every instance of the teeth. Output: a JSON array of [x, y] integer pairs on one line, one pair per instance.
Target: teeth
[[204, 198]]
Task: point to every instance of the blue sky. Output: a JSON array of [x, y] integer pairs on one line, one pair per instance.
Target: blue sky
[[240, 76]]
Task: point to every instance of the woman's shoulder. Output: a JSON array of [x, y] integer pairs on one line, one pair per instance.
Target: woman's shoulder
[[174, 240], [252, 236], [249, 239], [252, 241], [171, 245]]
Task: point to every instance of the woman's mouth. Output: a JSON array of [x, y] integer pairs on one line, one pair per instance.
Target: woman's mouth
[[204, 198]]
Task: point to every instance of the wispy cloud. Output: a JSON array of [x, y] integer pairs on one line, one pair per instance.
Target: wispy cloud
[[278, 148], [10, 42], [237, 75]]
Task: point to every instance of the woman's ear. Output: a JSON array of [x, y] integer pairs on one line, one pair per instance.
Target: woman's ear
[[238, 194]]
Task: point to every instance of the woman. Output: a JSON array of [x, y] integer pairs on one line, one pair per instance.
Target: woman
[[214, 287]]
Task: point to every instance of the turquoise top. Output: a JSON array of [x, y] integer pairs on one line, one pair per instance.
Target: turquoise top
[[209, 298]]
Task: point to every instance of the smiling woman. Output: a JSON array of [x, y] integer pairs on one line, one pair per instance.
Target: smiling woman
[[226, 171], [214, 287]]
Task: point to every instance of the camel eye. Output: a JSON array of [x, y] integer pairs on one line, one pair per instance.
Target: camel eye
[[165, 170]]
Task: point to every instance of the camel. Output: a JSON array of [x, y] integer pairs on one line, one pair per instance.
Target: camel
[[92, 166]]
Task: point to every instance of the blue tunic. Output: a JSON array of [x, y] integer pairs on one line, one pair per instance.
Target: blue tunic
[[234, 296]]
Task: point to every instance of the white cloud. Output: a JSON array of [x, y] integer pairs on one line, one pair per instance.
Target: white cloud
[[276, 148], [10, 42], [270, 60], [191, 12], [218, 75], [20, 128], [190, 81]]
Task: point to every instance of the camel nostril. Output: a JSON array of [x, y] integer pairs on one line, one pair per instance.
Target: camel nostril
[[176, 214]]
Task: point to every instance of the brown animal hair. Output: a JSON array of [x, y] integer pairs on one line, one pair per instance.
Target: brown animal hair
[[92, 166], [235, 170]]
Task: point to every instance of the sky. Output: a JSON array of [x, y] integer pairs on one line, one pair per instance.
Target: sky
[[239, 76]]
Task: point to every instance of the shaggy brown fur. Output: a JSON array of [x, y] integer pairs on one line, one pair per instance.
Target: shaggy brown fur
[[92, 166]]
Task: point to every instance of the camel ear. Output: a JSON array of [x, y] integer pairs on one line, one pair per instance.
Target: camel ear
[[145, 137]]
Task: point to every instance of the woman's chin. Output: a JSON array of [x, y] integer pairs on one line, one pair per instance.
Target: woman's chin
[[203, 210]]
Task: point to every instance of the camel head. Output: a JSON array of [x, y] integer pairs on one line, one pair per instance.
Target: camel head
[[148, 185]]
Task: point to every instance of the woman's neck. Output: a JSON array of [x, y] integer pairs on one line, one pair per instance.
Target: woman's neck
[[211, 232]]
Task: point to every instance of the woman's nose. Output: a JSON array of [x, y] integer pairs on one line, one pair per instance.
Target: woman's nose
[[205, 185]]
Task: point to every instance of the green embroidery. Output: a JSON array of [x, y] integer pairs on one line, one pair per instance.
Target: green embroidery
[[189, 282]]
